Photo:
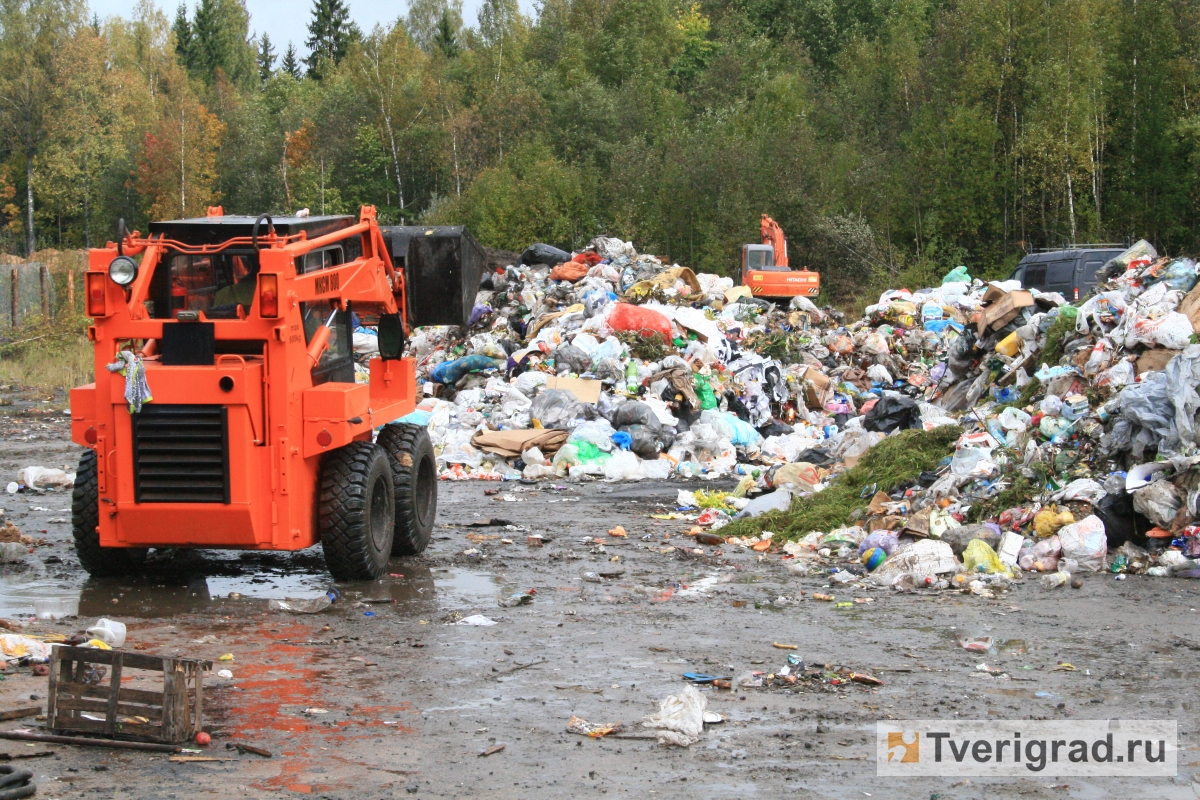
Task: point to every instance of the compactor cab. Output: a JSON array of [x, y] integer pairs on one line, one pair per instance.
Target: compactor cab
[[226, 412]]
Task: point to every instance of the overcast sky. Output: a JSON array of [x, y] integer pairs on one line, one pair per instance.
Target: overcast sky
[[288, 21]]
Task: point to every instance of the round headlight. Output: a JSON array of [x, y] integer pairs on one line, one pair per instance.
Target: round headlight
[[123, 270]]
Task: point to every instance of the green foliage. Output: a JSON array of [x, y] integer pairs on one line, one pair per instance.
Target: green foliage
[[1056, 336], [893, 461], [290, 64], [651, 347], [265, 59], [891, 139], [220, 43], [330, 32], [531, 197]]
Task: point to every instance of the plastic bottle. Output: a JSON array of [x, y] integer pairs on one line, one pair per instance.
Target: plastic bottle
[[997, 430], [1096, 362], [631, 373], [1055, 580], [12, 551]]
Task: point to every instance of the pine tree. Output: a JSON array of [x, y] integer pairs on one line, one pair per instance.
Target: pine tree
[[221, 41], [184, 38], [330, 33], [266, 58], [445, 38], [290, 65]]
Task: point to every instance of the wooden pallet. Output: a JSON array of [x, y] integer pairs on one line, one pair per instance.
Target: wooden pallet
[[108, 708]]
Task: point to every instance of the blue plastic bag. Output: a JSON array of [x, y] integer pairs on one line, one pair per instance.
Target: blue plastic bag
[[744, 434], [453, 371]]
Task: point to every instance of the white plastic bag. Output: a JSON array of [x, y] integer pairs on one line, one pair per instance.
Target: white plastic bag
[[1158, 502], [1085, 544], [1052, 405], [680, 718], [1173, 331], [623, 466], [41, 477], [598, 432], [459, 450], [1014, 419], [656, 469]]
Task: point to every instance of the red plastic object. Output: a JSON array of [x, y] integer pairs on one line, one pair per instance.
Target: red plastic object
[[643, 321]]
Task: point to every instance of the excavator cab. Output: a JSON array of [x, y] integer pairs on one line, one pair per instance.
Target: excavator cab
[[765, 268], [758, 257]]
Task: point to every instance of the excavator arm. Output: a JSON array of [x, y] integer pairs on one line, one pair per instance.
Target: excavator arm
[[772, 234]]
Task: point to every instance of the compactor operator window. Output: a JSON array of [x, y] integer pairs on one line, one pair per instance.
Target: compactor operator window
[[337, 362], [204, 283]]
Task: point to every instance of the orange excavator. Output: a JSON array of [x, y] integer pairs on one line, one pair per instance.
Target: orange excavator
[[765, 267]]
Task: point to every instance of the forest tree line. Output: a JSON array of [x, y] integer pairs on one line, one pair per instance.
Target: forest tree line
[[891, 139]]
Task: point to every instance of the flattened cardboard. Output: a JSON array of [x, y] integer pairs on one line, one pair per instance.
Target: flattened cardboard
[[584, 389], [1154, 360], [1190, 307]]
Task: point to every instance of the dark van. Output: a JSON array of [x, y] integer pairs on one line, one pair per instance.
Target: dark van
[[1069, 272]]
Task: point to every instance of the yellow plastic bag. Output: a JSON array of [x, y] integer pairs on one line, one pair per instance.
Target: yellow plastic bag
[[980, 557], [1049, 520]]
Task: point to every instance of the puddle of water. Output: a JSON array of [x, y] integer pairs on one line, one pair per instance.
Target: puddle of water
[[700, 586], [465, 587], [1030, 694], [241, 587]]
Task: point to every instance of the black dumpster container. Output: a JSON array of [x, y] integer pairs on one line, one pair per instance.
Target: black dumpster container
[[442, 266]]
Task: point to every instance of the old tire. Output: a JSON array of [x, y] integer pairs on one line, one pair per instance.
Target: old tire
[[356, 511], [97, 561], [414, 478]]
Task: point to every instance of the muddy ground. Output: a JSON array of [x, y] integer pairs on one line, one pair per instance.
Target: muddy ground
[[379, 697]]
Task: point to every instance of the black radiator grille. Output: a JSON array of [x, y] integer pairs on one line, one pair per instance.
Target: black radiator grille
[[181, 454]]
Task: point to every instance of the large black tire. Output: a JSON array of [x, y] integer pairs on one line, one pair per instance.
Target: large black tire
[[356, 511], [414, 476], [100, 562]]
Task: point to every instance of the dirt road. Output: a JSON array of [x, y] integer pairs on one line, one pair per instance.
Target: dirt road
[[380, 697]]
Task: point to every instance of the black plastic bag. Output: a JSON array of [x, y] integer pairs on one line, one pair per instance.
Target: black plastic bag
[[893, 413], [646, 443], [573, 358], [775, 428], [633, 413], [544, 254], [816, 456], [1121, 523]]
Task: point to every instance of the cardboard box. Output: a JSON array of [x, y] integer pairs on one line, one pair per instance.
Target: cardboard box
[[819, 389], [584, 389], [1003, 309]]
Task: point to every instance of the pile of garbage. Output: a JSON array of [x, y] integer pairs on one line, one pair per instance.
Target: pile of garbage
[[1058, 436], [611, 364]]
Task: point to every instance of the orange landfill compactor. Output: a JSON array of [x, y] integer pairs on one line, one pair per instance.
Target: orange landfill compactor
[[225, 411], [765, 269]]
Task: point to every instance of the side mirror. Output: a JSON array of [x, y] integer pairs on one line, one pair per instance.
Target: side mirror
[[391, 337]]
